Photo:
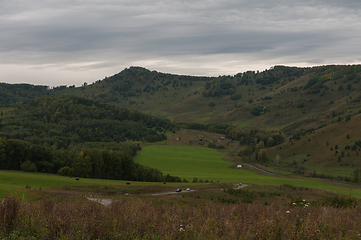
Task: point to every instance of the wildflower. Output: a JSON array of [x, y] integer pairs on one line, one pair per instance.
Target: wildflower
[[181, 230], [303, 200], [294, 204]]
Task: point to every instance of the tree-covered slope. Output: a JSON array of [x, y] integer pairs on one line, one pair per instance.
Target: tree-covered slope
[[13, 93], [66, 119]]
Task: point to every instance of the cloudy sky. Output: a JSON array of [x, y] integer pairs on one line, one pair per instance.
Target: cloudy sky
[[67, 42]]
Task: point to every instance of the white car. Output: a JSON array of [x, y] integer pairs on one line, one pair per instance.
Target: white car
[[188, 189]]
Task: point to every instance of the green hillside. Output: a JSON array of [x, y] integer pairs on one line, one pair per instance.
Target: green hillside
[[332, 151], [285, 98]]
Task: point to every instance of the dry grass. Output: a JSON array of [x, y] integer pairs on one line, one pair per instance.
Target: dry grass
[[136, 218]]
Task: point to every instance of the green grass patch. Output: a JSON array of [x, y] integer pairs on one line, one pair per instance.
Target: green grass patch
[[206, 164], [15, 182]]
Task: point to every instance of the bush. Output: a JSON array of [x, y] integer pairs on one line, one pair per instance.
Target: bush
[[258, 110], [66, 171], [63, 171], [240, 104], [211, 144], [339, 202]]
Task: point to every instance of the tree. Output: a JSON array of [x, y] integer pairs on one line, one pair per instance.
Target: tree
[[82, 165], [349, 86], [28, 167], [262, 156], [356, 176]]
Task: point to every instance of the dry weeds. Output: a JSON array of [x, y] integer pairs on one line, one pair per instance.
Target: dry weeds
[[141, 219]]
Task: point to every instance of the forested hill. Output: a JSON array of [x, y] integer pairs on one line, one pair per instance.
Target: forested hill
[[134, 81], [65, 119], [285, 98], [289, 99], [13, 93]]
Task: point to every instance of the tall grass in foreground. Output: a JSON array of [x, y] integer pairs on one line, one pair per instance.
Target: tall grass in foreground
[[143, 219]]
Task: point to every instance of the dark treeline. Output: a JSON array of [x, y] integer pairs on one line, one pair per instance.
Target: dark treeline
[[209, 127], [66, 119], [90, 163], [13, 93], [252, 137], [255, 137], [220, 86], [125, 81]]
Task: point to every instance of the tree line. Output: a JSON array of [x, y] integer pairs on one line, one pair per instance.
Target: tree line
[[88, 163], [66, 119]]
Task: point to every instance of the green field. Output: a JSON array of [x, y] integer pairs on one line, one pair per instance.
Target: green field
[[15, 182], [182, 161], [206, 164]]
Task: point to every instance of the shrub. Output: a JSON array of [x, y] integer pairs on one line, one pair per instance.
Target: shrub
[[211, 144], [63, 171], [240, 104], [339, 202], [258, 110]]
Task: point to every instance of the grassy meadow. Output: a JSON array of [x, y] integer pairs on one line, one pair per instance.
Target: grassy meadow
[[16, 182], [269, 208], [206, 164]]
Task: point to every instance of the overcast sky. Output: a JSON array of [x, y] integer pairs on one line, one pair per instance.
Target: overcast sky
[[67, 42]]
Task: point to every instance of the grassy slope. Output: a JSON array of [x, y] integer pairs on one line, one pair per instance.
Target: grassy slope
[[190, 162], [318, 145]]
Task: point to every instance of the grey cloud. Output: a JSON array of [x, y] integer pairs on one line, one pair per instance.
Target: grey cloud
[[115, 34]]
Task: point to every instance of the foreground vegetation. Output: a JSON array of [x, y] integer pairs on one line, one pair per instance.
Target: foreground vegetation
[[176, 217], [56, 207]]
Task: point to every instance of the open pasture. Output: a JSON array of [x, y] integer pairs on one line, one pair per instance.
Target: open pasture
[[206, 164], [15, 182]]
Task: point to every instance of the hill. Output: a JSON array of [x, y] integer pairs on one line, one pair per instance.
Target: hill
[[285, 98]]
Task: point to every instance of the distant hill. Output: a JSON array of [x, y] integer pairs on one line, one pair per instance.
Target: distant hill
[[285, 98], [282, 98]]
